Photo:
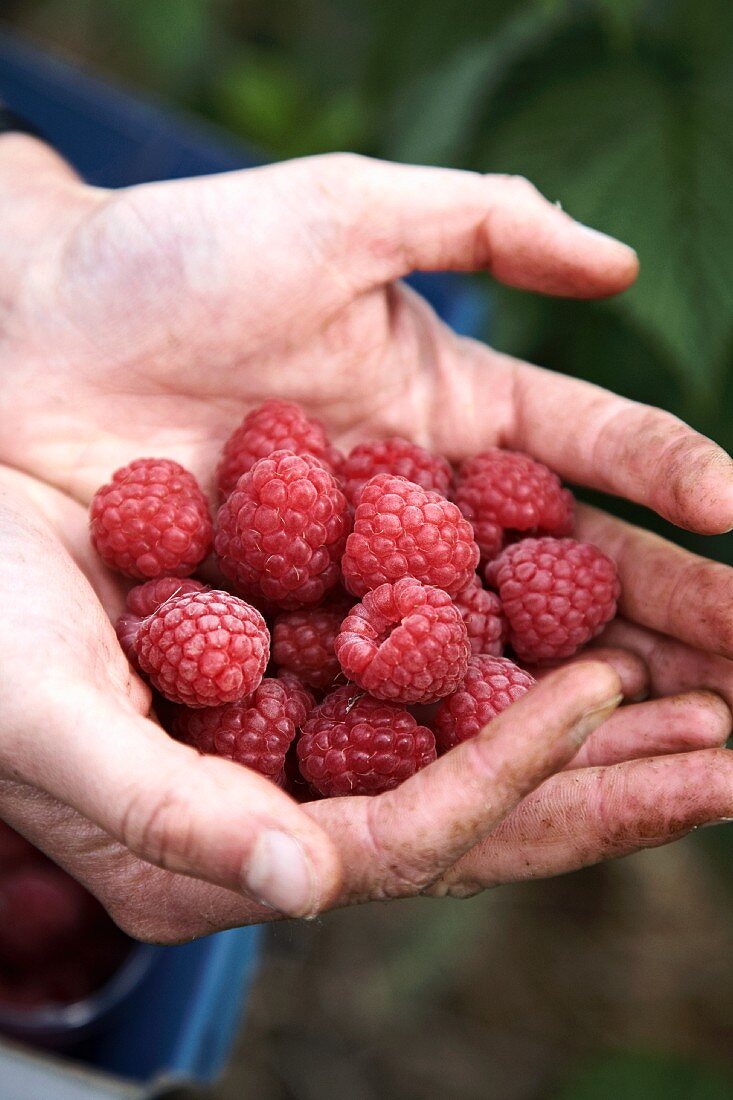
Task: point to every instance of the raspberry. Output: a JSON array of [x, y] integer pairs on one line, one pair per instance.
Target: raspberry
[[491, 684], [354, 744], [302, 642], [151, 519], [256, 732], [274, 426], [41, 909], [482, 613], [281, 532], [144, 599], [405, 642], [14, 848], [557, 594], [126, 629], [393, 456], [401, 530], [504, 493], [204, 649]]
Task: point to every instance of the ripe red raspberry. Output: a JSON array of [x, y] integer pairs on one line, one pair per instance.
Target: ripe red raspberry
[[274, 426], [405, 642], [126, 629], [401, 530], [14, 848], [354, 744], [144, 599], [482, 613], [504, 493], [393, 456], [557, 594], [281, 533], [491, 684], [151, 519], [204, 649], [256, 732], [41, 910], [302, 642]]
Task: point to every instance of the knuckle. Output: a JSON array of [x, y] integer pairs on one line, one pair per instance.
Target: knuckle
[[398, 874], [159, 828]]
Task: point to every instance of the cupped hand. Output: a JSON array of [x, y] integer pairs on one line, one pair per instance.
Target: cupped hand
[[149, 320], [176, 845]]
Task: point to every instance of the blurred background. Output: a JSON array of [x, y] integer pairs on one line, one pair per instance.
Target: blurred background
[[618, 981]]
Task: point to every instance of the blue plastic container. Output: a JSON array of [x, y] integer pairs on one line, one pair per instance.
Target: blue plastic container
[[178, 1019]]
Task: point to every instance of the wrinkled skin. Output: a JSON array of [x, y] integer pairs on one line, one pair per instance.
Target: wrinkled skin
[[146, 322]]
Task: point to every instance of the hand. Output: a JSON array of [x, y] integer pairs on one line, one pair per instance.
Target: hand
[[150, 319], [178, 845]]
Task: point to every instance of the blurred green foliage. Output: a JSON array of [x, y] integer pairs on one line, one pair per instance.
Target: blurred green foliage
[[632, 1076]]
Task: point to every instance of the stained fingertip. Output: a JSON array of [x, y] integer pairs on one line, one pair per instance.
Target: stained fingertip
[[631, 669], [714, 716]]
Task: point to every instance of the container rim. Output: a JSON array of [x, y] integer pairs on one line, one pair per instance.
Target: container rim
[[80, 1014]]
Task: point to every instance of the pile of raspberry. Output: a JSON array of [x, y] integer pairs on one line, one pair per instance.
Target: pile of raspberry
[[296, 631], [57, 944]]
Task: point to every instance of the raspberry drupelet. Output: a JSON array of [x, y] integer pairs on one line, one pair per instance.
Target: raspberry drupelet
[[507, 493], [393, 456], [402, 530], [354, 744], [203, 649], [482, 613], [281, 533], [557, 594], [405, 642], [490, 685], [152, 519], [273, 426], [256, 732]]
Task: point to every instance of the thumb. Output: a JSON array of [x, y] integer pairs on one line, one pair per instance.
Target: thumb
[[199, 815], [402, 218]]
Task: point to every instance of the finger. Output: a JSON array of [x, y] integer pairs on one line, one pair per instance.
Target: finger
[[147, 902], [679, 723], [399, 842], [673, 666], [663, 586], [628, 666], [174, 808], [585, 816], [616, 445], [400, 218]]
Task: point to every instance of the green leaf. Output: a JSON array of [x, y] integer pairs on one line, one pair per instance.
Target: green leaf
[[633, 152], [436, 115], [648, 1077]]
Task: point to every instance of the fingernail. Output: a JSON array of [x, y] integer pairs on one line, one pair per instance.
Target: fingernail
[[602, 237], [279, 874], [592, 719]]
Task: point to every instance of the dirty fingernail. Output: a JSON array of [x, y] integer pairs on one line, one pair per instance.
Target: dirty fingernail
[[279, 874], [592, 719]]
